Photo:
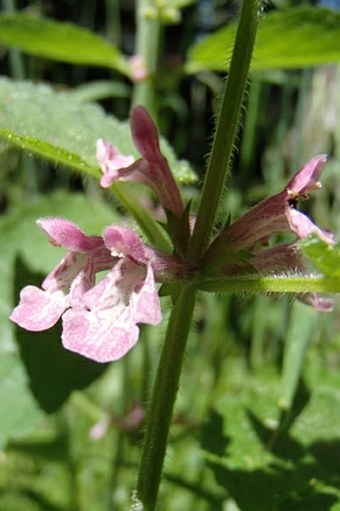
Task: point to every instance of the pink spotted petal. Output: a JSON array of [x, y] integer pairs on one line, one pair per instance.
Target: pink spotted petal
[[97, 261], [78, 268], [103, 337], [64, 233], [148, 308], [37, 309], [104, 327], [62, 276]]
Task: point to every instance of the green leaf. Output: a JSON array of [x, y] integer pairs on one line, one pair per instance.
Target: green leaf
[[64, 42], [264, 466], [59, 128], [294, 37], [325, 258], [19, 413], [303, 321]]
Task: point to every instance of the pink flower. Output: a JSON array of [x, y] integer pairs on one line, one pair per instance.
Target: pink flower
[[278, 214], [39, 309], [103, 325], [151, 170], [247, 238], [111, 162], [99, 320]]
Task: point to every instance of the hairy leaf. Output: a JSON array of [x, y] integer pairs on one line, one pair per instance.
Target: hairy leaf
[[56, 126]]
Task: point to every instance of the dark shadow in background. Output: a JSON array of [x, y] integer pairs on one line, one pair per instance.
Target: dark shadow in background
[[301, 477], [53, 372]]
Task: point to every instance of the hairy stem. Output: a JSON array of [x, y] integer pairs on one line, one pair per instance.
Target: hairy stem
[[226, 128], [163, 399], [272, 284], [170, 365]]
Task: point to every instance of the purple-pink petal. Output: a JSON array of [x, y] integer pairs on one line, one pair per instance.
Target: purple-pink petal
[[64, 233], [124, 242], [151, 170], [261, 222], [62, 276], [100, 321], [145, 135], [319, 303], [155, 168], [307, 178], [111, 161], [303, 227], [39, 309], [252, 232], [147, 301], [103, 339], [278, 214], [280, 258]]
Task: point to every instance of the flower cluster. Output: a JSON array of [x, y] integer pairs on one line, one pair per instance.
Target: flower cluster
[[151, 170], [100, 318], [247, 238]]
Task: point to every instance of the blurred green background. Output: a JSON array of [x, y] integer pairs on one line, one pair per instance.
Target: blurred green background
[[257, 421]]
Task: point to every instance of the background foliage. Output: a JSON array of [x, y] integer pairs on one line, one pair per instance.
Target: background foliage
[[257, 420]]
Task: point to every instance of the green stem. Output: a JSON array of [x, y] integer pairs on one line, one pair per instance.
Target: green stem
[[163, 399], [148, 43], [170, 365], [226, 128], [279, 284]]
